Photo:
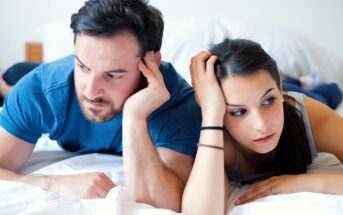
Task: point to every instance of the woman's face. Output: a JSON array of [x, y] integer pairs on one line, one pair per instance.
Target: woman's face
[[254, 111]]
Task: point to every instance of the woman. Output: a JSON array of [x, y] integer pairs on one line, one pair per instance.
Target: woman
[[253, 132]]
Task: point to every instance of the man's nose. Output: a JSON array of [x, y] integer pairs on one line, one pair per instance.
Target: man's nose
[[93, 87]]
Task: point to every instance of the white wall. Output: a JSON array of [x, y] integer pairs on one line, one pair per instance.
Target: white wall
[[317, 20], [19, 20]]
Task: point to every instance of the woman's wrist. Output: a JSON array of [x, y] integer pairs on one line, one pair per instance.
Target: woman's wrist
[[212, 121]]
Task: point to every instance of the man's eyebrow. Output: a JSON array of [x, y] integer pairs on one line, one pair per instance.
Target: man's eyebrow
[[78, 59], [109, 71], [238, 105], [116, 71]]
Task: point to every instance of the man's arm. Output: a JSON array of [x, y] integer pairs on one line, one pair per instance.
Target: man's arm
[[154, 177], [151, 176], [15, 152]]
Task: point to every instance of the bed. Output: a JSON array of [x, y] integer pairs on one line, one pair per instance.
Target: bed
[[296, 56]]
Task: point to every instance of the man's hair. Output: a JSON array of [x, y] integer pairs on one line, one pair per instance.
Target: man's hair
[[106, 18]]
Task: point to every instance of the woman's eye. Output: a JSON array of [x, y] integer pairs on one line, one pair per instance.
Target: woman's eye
[[239, 112], [268, 101]]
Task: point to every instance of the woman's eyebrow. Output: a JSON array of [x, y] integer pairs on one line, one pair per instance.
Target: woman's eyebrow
[[268, 91], [239, 105]]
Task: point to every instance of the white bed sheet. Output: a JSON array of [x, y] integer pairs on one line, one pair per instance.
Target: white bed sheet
[[18, 198], [48, 159]]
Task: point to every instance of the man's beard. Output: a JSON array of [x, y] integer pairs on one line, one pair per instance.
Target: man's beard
[[95, 114]]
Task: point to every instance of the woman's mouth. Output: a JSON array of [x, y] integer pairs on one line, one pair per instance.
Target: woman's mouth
[[264, 139]]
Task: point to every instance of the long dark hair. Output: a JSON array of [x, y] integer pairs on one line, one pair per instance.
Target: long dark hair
[[106, 18], [241, 57]]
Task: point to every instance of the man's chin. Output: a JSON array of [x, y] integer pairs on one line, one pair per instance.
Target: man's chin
[[99, 118]]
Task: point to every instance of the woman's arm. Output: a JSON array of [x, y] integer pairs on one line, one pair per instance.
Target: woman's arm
[[327, 128], [327, 131], [205, 189], [310, 182]]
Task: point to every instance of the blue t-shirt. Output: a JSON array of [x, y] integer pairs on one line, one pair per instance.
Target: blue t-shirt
[[44, 101]]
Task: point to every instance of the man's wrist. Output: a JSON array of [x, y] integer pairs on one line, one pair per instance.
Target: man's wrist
[[44, 182], [129, 120]]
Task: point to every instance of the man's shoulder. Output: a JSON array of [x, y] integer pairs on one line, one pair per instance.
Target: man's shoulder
[[57, 73], [175, 83]]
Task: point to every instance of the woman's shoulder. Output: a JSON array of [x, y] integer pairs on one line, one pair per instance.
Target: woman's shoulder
[[326, 126]]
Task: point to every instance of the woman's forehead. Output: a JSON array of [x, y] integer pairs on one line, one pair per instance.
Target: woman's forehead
[[247, 87]]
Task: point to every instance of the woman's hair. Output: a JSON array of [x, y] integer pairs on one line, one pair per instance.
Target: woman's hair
[[106, 18], [241, 57]]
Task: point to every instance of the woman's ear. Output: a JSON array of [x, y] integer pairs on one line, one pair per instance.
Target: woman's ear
[[281, 83], [158, 57]]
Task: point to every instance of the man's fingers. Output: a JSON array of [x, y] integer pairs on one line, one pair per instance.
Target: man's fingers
[[104, 185], [109, 183], [144, 69], [150, 62]]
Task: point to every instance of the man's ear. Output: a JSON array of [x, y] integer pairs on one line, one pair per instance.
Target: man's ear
[[158, 57]]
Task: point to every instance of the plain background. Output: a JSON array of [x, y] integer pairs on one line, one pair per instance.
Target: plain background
[[317, 20]]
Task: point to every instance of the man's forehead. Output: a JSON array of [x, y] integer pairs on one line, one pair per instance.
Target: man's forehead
[[122, 40], [107, 53]]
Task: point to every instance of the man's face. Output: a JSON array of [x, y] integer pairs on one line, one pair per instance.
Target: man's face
[[106, 73]]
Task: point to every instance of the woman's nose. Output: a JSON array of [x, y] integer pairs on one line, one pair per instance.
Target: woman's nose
[[260, 123]]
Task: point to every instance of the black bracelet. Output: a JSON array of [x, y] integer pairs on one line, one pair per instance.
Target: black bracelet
[[212, 128], [211, 146]]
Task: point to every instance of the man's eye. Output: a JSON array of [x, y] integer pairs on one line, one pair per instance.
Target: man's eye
[[111, 76], [83, 67], [239, 112], [269, 101]]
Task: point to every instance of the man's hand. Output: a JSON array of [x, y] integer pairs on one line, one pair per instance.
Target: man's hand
[[84, 186], [141, 104]]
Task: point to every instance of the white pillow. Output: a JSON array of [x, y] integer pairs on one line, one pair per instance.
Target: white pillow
[[295, 55], [184, 39]]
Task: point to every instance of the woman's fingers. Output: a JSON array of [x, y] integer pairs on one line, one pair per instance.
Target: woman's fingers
[[198, 63], [259, 190], [210, 66]]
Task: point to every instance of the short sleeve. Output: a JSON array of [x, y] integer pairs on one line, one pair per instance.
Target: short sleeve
[[178, 128]]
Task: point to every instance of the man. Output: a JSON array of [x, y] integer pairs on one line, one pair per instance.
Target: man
[[113, 96]]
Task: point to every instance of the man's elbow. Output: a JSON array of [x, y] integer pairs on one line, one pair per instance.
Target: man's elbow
[[171, 201]]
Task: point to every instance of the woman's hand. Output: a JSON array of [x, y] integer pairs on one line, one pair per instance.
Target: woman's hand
[[279, 185], [208, 93]]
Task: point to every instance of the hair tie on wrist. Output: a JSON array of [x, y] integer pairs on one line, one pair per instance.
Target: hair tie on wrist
[[212, 128], [211, 146]]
